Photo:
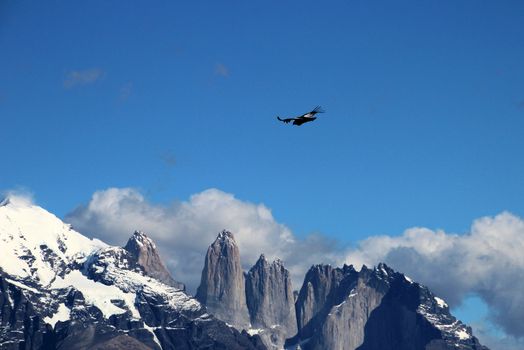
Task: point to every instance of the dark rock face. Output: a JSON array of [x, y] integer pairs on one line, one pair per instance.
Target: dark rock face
[[320, 289], [144, 252], [20, 325], [379, 309], [270, 300], [222, 287]]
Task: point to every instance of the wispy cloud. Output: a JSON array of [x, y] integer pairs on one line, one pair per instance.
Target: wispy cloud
[[18, 195], [125, 91], [82, 77], [221, 70]]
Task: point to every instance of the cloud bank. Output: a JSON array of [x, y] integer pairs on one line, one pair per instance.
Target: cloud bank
[[487, 261], [184, 230]]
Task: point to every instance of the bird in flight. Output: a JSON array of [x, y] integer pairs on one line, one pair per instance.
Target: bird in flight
[[304, 118]]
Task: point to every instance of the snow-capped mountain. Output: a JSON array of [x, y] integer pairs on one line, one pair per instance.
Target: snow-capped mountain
[[59, 289]]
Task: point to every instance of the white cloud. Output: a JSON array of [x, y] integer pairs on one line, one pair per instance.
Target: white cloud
[[491, 336], [184, 230], [82, 77], [20, 196], [488, 262]]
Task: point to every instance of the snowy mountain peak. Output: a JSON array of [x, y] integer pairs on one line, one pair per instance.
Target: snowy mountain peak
[[141, 239], [16, 200], [38, 245], [143, 252]]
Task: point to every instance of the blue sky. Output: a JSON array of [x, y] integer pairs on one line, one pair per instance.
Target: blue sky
[[424, 101]]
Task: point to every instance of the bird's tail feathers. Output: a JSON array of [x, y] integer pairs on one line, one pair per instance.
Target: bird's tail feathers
[[318, 109]]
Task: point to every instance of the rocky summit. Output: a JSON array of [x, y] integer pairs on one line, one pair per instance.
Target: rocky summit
[[143, 251], [222, 287]]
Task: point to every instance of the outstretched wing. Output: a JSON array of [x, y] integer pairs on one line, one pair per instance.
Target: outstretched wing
[[286, 120], [316, 110]]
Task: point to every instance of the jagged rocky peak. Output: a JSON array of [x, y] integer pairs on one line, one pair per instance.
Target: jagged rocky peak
[[320, 284], [222, 286], [225, 240], [144, 251], [375, 308], [270, 301]]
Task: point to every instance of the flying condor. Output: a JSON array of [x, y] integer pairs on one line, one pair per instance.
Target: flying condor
[[304, 118]]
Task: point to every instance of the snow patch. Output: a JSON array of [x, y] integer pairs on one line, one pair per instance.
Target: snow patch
[[62, 314], [441, 303], [20, 285], [462, 334], [98, 294], [254, 331], [152, 331]]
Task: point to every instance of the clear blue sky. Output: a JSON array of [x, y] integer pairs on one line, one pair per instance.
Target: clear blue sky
[[424, 100]]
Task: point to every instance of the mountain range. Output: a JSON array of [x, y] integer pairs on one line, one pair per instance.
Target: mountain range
[[62, 290]]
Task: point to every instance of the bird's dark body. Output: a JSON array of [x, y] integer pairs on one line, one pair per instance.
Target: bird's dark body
[[300, 121], [304, 118]]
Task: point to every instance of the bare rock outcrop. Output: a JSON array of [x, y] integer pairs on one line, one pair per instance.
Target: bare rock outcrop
[[374, 309], [270, 301], [222, 286], [144, 251]]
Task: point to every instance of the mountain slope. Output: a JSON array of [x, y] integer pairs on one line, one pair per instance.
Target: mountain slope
[[374, 309], [60, 289]]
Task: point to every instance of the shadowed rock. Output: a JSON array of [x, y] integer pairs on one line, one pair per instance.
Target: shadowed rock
[[374, 309]]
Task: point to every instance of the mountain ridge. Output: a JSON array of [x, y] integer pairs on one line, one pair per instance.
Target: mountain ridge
[[60, 289]]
